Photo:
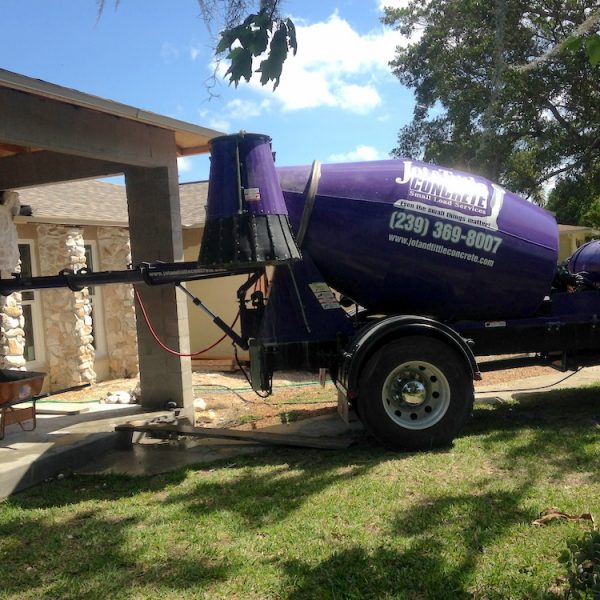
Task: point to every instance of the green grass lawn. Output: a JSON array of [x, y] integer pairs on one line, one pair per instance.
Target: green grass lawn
[[364, 523]]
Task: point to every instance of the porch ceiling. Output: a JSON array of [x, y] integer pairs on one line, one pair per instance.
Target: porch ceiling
[[49, 133]]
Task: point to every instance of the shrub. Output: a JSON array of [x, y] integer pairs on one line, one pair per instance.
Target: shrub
[[583, 564]]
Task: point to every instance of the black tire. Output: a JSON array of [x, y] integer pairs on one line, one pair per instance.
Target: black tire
[[415, 393]]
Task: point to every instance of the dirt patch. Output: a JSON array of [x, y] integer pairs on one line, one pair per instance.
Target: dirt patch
[[230, 400], [509, 373], [226, 399]]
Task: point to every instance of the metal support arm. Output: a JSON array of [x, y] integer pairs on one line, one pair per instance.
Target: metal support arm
[[156, 273]]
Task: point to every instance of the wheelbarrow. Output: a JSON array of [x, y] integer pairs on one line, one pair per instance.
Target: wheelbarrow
[[16, 388]]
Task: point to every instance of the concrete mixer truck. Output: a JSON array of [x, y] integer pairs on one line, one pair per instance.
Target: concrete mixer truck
[[430, 266], [392, 275]]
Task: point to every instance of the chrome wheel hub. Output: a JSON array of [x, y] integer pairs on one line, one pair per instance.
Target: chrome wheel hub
[[413, 392], [416, 395]]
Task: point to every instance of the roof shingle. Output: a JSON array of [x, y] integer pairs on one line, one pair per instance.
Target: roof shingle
[[93, 202]]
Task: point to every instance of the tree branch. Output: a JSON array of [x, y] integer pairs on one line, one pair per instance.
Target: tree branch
[[558, 172], [561, 120], [583, 28]]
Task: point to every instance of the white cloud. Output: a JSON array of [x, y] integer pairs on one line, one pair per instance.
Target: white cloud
[[184, 164], [219, 124], [358, 154], [358, 98], [246, 109], [194, 52], [335, 67], [169, 52], [235, 111]]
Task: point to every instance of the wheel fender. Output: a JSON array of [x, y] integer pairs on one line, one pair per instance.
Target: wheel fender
[[369, 339]]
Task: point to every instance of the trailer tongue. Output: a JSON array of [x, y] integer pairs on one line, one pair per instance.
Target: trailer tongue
[[430, 267]]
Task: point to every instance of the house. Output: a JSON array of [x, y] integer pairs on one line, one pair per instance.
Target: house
[[51, 134], [571, 237]]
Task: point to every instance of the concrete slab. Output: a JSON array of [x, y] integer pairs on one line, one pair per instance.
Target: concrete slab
[[152, 457], [59, 443], [554, 381], [62, 408]]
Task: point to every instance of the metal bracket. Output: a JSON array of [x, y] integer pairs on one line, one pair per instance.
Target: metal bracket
[[310, 193]]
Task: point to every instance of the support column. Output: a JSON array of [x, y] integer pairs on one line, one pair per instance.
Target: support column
[[119, 310], [155, 233], [67, 314]]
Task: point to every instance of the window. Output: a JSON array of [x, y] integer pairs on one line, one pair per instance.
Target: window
[[99, 343], [32, 314]]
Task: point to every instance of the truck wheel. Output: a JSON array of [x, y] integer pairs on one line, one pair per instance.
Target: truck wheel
[[415, 394]]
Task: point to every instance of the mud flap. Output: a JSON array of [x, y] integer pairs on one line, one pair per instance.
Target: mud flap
[[260, 372], [343, 407]]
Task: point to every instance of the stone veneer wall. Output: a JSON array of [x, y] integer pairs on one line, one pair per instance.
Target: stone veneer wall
[[12, 334], [67, 314], [120, 326]]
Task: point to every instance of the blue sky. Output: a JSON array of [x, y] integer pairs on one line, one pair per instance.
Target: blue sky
[[337, 99]]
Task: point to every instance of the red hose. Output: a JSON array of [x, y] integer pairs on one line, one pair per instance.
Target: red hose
[[159, 341]]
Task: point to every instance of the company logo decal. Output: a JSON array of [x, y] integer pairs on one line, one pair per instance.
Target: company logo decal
[[450, 195]]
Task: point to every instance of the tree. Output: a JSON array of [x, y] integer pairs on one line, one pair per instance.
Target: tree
[[499, 90], [576, 198], [245, 35]]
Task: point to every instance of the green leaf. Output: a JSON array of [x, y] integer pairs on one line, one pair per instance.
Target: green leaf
[[291, 31], [246, 37], [262, 20], [592, 49], [241, 65], [271, 68], [259, 42], [254, 36], [227, 38], [572, 44]]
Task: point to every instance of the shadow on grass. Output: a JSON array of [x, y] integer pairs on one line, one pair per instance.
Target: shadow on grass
[[429, 567], [445, 539], [384, 573], [418, 573], [98, 553], [91, 555], [270, 497]]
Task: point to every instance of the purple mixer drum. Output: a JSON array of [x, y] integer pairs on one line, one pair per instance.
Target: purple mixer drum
[[586, 259], [403, 236]]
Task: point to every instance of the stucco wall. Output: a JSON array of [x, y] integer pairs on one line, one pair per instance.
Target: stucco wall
[[569, 241], [219, 295]]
